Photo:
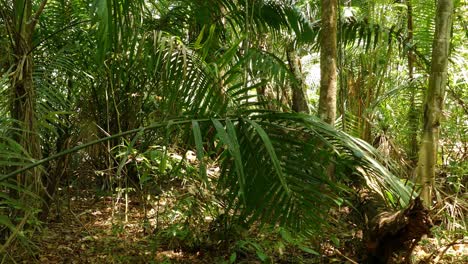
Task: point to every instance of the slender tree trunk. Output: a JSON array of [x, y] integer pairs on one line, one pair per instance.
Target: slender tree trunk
[[328, 58], [434, 100], [299, 96], [413, 112]]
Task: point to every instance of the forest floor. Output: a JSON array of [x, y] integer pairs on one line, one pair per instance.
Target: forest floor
[[90, 234]]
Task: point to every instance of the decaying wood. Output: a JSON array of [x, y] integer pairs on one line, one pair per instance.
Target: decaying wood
[[393, 233]]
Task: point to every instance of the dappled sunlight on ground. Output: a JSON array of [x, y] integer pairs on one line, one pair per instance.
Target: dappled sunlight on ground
[[92, 234]]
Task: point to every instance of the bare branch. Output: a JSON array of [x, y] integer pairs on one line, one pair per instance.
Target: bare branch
[[32, 23]]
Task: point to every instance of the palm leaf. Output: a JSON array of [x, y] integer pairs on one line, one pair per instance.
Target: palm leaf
[[252, 148]]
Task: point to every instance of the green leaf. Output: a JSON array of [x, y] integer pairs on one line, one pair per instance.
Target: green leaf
[[308, 250], [5, 221], [144, 178], [287, 236], [199, 39], [230, 140], [200, 151], [271, 151], [261, 255], [233, 257], [335, 240]]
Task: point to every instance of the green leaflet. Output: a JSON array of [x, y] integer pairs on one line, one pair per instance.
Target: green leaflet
[[271, 152], [200, 152]]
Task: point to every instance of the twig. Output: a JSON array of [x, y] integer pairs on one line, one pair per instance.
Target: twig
[[15, 232], [36, 16], [7, 254], [77, 219], [347, 258], [442, 253]]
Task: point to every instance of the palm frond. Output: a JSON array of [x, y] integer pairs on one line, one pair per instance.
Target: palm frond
[[424, 12], [274, 172]]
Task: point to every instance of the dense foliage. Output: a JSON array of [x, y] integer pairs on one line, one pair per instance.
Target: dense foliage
[[189, 107]]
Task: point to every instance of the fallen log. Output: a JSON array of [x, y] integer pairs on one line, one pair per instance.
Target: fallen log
[[390, 234]]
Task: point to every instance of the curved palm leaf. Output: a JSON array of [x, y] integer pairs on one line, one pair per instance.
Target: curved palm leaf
[[274, 172]]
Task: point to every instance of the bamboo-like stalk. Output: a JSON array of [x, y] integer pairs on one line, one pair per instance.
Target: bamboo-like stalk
[[434, 100], [412, 115]]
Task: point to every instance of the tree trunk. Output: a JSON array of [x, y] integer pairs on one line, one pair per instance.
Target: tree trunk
[[299, 96], [328, 58], [56, 174], [413, 112], [23, 93], [23, 97], [434, 100]]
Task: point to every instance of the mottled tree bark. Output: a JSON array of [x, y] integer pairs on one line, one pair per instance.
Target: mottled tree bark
[[328, 58], [391, 232], [299, 95], [434, 100]]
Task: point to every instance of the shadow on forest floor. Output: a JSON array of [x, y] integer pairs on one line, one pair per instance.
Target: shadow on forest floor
[[92, 234], [88, 234]]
